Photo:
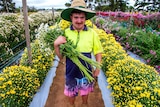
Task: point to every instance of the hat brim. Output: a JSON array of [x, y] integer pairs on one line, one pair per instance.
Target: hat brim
[[67, 12]]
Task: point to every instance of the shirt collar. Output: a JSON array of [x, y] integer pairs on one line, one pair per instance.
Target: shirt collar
[[84, 29]]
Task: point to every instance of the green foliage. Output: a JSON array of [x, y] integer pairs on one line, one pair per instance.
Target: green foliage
[[149, 5], [141, 43], [146, 42], [50, 36], [122, 32], [7, 6]]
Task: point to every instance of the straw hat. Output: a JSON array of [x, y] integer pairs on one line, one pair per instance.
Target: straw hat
[[78, 5]]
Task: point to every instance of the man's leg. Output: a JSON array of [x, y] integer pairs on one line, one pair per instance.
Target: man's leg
[[71, 91], [71, 100], [86, 88], [85, 99]]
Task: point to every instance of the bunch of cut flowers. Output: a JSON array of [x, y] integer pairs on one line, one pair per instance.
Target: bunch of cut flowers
[[69, 50]]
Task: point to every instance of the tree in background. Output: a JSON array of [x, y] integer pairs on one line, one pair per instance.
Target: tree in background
[[67, 4], [149, 5], [112, 5], [7, 6]]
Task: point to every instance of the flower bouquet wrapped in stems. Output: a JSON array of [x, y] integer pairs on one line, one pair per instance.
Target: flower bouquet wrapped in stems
[[69, 50]]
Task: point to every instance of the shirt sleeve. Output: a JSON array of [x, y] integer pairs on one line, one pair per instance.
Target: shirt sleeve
[[97, 47]]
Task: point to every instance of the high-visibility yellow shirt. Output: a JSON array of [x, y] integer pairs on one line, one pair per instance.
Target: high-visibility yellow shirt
[[87, 40]]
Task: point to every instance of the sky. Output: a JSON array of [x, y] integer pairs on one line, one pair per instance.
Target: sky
[[48, 4]]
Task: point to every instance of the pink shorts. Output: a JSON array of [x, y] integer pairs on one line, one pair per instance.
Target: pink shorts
[[72, 87]]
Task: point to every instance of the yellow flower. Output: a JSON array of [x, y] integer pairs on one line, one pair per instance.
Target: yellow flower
[[132, 103], [148, 94], [12, 91], [39, 57], [139, 105], [116, 87], [26, 94], [158, 90], [11, 73], [2, 95], [138, 88], [154, 82], [152, 97], [52, 27], [142, 95], [1, 79], [8, 93], [9, 82]]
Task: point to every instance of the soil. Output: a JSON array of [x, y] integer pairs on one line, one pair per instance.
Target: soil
[[56, 98]]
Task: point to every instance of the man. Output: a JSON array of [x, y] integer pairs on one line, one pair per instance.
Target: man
[[86, 41]]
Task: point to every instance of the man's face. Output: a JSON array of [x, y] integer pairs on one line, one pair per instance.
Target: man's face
[[78, 20]]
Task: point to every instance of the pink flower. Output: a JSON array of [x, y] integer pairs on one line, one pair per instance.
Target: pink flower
[[152, 52], [158, 66], [148, 60]]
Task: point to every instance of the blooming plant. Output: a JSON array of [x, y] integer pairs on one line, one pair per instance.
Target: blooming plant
[[42, 59], [112, 50], [11, 33], [133, 84], [18, 84], [63, 24], [35, 19]]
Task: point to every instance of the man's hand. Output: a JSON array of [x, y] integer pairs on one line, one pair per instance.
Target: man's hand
[[59, 40], [96, 72]]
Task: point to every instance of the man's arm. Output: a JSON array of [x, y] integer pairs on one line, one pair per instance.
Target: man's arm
[[60, 40], [98, 59]]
